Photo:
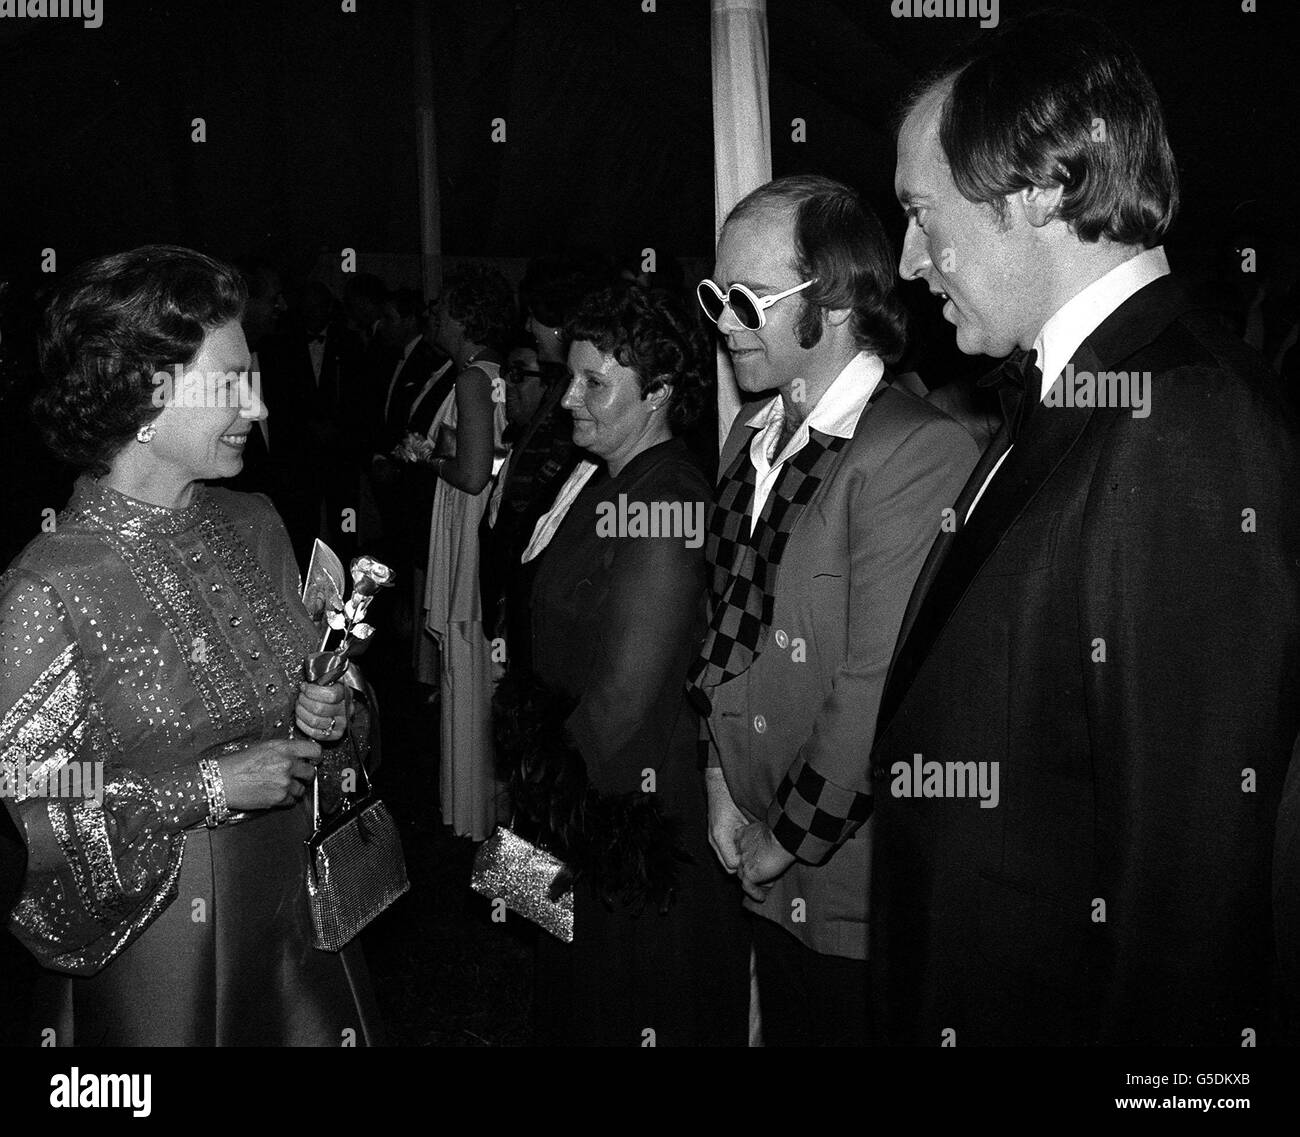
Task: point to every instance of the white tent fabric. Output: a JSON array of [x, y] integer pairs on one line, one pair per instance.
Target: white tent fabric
[[742, 141], [742, 161]]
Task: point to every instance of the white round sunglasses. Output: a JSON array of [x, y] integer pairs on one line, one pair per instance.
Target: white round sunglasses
[[746, 306]]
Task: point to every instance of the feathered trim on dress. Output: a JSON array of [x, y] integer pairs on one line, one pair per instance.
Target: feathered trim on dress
[[621, 843]]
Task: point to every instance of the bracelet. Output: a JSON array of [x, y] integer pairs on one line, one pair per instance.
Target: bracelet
[[214, 787]]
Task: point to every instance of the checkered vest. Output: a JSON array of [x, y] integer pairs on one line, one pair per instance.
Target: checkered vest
[[744, 566]]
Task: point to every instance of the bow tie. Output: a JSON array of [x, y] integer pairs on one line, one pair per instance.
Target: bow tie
[[1018, 383]]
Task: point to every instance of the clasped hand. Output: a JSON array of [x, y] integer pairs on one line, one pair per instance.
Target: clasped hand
[[762, 859], [277, 772], [323, 712], [744, 846]]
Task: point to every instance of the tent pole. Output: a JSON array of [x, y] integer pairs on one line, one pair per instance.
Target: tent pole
[[742, 145], [742, 161], [430, 216]]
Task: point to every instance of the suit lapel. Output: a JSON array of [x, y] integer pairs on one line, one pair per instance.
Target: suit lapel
[[431, 396], [956, 559], [943, 542], [406, 384]]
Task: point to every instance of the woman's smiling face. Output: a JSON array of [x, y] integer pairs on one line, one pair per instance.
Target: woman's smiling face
[[610, 415], [203, 428]]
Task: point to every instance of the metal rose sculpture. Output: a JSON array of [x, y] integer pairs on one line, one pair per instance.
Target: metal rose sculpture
[[323, 596]]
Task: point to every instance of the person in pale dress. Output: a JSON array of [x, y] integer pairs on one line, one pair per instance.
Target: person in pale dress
[[474, 318]]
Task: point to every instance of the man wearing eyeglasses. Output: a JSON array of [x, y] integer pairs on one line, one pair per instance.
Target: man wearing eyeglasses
[[542, 455], [829, 497]]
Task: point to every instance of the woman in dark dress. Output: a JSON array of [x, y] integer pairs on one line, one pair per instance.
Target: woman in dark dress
[[604, 750]]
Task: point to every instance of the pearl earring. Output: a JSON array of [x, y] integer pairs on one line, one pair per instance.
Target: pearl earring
[[145, 434]]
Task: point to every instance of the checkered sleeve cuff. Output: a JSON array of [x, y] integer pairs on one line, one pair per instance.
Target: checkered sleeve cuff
[[811, 816], [705, 754]]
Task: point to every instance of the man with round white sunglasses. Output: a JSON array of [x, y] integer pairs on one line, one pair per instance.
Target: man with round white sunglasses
[[745, 305], [829, 497]]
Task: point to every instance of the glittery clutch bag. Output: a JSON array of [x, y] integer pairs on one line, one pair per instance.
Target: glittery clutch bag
[[514, 870], [355, 869]]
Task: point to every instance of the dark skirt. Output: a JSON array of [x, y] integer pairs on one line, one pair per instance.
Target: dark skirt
[[228, 963], [674, 979]]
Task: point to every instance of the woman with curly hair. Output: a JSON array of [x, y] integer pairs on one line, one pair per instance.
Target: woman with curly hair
[[474, 317], [150, 646], [600, 743]]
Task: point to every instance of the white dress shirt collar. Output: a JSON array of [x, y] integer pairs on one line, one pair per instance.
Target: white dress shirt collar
[[1078, 318], [1085, 312], [836, 413], [838, 410], [392, 383], [316, 349]]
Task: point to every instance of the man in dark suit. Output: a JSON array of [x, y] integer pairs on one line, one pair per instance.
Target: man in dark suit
[[542, 455], [1088, 720], [419, 378], [412, 360], [262, 313], [311, 384], [420, 479], [831, 493]]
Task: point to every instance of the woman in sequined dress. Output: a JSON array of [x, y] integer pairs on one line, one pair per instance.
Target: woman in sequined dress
[[149, 651]]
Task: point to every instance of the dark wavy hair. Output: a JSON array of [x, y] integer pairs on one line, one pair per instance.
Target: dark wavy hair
[[554, 286], [481, 300], [1057, 98], [651, 332], [109, 328], [840, 243]]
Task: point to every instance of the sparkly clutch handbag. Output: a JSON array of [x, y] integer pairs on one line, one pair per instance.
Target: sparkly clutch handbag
[[509, 868], [355, 867]]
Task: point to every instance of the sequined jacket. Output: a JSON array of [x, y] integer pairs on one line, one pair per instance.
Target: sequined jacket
[[134, 641]]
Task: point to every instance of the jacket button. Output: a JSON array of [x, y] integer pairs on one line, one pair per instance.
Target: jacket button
[[760, 723], [782, 640]]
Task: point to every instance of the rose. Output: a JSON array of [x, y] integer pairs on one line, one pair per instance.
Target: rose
[[413, 448], [369, 576]]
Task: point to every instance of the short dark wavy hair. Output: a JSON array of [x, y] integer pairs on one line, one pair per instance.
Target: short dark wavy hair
[[840, 243], [654, 334], [109, 328], [1057, 98], [553, 287], [481, 300]]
